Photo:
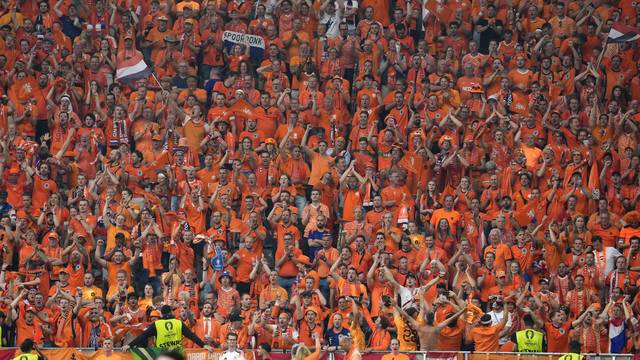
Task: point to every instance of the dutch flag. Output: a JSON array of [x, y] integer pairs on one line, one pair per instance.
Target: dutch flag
[[132, 69], [617, 336], [622, 33]]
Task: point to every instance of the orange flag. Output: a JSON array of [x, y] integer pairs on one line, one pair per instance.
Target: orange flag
[[526, 214]]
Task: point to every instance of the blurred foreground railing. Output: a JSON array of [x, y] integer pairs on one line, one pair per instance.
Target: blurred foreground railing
[[200, 354]]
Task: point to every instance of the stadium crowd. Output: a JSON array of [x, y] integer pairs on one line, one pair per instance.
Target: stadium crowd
[[411, 175]]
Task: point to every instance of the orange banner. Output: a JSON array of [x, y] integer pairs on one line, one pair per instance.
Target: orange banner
[[75, 354]]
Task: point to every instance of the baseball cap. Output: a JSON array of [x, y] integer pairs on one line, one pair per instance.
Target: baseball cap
[[225, 273], [312, 309], [444, 138]]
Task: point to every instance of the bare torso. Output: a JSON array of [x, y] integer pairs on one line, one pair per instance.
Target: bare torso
[[428, 335]]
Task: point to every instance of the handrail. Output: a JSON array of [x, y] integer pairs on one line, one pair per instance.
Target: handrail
[[417, 352]]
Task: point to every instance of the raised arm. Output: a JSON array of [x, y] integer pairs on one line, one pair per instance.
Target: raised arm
[[451, 319]]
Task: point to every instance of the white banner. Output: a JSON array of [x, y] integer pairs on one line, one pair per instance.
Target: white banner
[[243, 39]]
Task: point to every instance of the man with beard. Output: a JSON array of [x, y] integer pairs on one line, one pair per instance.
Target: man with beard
[[95, 329], [207, 327], [315, 234], [350, 286]]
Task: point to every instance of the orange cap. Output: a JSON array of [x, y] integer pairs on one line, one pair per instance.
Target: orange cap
[[444, 138]]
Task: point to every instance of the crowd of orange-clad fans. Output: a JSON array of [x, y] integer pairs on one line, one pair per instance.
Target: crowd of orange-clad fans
[[371, 168]]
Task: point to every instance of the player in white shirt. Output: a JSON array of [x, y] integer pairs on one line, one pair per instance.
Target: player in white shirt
[[232, 352]]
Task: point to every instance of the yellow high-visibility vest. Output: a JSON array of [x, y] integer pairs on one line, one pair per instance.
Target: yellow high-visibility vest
[[571, 356], [529, 340], [168, 333], [26, 357]]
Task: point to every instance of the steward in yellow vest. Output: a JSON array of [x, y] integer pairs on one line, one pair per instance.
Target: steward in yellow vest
[[168, 333], [27, 349], [571, 356], [529, 339]]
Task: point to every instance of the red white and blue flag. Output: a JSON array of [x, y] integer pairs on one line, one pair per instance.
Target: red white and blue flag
[[622, 33], [94, 27], [132, 69]]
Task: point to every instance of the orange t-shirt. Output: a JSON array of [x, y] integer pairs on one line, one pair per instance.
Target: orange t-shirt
[[557, 338], [244, 264], [452, 217], [42, 189], [502, 253], [486, 338]]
